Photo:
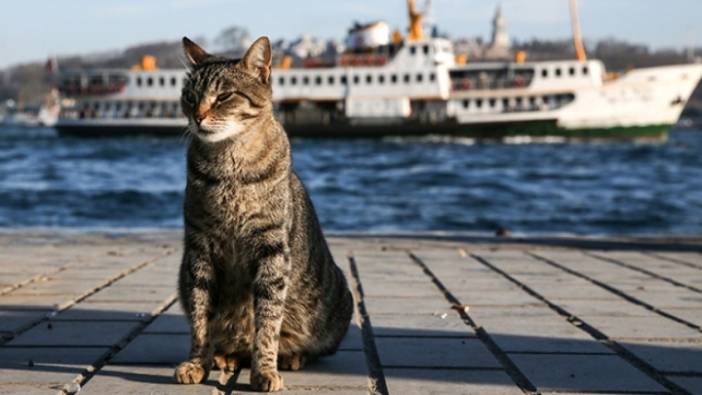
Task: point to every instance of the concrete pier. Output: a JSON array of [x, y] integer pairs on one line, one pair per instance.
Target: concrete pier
[[97, 313]]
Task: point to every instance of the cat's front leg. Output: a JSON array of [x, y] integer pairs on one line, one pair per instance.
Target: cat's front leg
[[196, 285], [269, 287]]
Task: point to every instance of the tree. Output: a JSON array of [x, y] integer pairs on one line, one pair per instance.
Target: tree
[[233, 40]]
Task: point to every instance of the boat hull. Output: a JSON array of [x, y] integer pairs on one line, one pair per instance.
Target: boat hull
[[483, 131]]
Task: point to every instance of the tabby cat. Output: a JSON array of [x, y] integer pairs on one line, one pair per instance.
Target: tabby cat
[[257, 281]]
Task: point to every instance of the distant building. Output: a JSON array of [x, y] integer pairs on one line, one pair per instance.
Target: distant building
[[473, 48], [307, 46], [499, 45]]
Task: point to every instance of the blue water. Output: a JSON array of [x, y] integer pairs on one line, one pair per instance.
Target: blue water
[[381, 185]]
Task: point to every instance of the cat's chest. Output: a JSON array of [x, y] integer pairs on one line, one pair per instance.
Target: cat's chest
[[232, 207]]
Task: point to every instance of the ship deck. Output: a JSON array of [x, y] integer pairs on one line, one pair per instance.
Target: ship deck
[[97, 312]]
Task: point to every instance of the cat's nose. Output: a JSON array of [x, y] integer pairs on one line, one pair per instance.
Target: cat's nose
[[201, 113]]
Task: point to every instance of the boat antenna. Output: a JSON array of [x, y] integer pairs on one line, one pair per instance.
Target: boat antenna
[[577, 35]]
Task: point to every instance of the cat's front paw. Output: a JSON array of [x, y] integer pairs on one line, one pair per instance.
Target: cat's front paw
[[268, 381], [190, 372]]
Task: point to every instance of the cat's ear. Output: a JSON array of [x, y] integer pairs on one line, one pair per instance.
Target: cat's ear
[[258, 59], [193, 52]]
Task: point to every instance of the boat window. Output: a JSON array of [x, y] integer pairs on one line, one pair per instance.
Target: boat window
[[545, 99], [492, 102], [97, 105], [544, 73], [466, 103], [425, 49], [369, 79], [381, 79], [413, 50], [331, 80], [118, 106], [174, 81], [293, 80], [479, 103], [281, 81], [432, 77], [318, 80], [558, 72], [138, 81], [305, 80], [356, 79], [162, 81], [344, 81], [393, 78], [571, 71], [585, 70], [150, 81], [420, 77], [519, 101], [505, 102], [95, 80], [532, 101]]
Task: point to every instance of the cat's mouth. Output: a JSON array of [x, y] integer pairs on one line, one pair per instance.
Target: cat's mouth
[[216, 134], [199, 130]]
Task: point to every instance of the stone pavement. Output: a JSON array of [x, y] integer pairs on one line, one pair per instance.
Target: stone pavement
[[97, 313]]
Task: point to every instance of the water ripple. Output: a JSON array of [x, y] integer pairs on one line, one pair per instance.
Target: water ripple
[[378, 185]]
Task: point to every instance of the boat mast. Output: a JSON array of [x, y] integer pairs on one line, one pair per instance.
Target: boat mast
[[577, 36], [416, 32]]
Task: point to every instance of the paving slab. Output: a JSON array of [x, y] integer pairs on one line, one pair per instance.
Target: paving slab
[[394, 288], [132, 293], [170, 321], [14, 320], [110, 311], [434, 353], [400, 305], [649, 327], [444, 324], [163, 349], [423, 346], [691, 315], [440, 381], [37, 370], [583, 373], [149, 379], [668, 356], [548, 336], [691, 384], [74, 333], [353, 341]]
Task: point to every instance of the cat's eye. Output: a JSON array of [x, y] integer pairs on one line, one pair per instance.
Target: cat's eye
[[189, 99], [224, 96]]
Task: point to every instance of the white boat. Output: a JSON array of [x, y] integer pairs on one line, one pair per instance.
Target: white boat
[[409, 85]]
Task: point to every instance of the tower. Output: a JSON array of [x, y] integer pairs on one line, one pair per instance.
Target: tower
[[499, 45], [500, 38]]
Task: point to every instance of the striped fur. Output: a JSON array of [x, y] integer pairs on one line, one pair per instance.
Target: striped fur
[[257, 280]]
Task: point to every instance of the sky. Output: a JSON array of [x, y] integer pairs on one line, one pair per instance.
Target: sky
[[33, 29]]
